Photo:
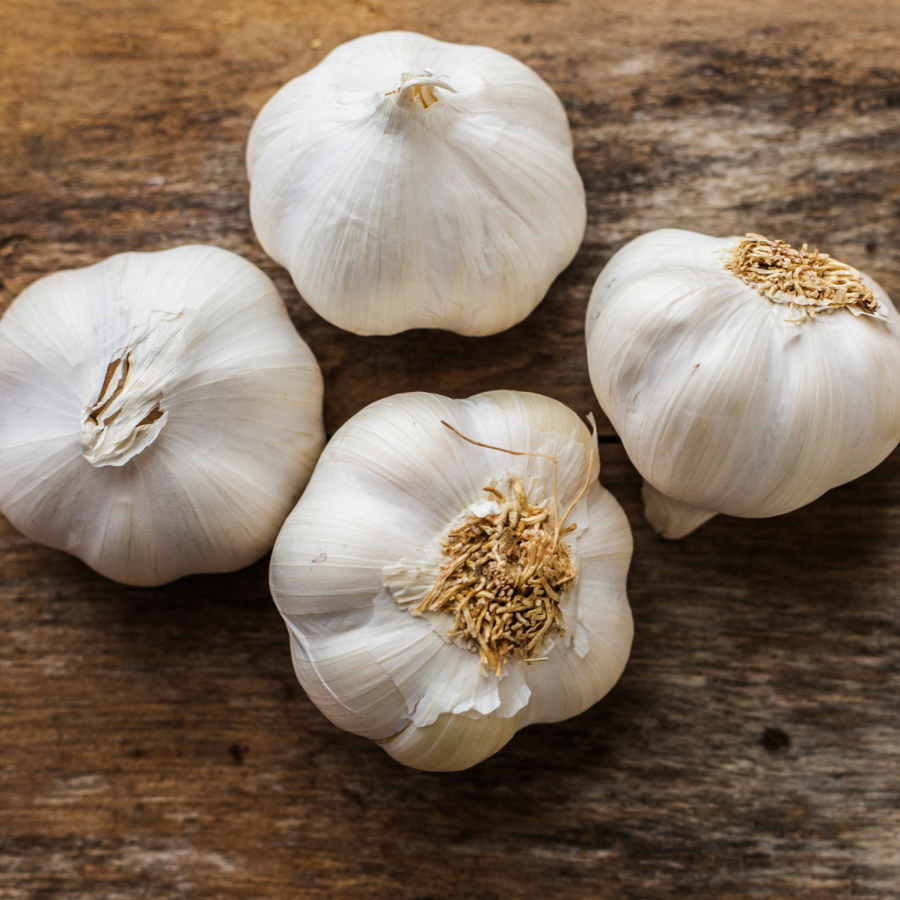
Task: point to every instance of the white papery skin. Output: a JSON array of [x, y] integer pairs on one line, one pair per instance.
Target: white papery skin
[[385, 493], [238, 399], [722, 405], [390, 215]]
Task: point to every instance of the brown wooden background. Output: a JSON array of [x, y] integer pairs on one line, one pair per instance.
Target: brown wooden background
[[155, 744]]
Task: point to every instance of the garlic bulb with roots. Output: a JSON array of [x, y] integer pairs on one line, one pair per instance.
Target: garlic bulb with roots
[[159, 413], [744, 376], [410, 183], [454, 572]]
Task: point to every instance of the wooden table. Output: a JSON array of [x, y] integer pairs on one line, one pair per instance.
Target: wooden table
[[155, 743]]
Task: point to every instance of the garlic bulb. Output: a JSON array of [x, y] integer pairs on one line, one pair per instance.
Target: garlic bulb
[[441, 593], [409, 183], [159, 414], [744, 376]]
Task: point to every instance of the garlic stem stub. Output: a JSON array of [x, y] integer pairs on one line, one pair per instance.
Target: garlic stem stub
[[744, 376], [411, 183], [454, 572], [159, 413]]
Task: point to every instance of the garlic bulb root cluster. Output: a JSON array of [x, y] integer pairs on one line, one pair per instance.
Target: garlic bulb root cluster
[[441, 593], [503, 579], [809, 283], [744, 377], [410, 183], [159, 414]]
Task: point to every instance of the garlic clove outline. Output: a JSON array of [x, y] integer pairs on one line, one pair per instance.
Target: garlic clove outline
[[728, 401], [159, 413], [412, 183], [363, 546]]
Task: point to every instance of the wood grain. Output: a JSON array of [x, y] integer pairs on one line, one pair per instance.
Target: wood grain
[[155, 744]]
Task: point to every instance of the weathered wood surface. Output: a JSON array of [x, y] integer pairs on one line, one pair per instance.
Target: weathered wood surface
[[155, 744]]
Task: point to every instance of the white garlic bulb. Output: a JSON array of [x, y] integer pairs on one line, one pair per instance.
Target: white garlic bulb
[[441, 594], [159, 414], [410, 183], [744, 377]]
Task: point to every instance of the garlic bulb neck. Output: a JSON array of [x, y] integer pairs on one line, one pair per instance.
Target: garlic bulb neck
[[505, 571], [418, 91], [810, 283], [123, 420]]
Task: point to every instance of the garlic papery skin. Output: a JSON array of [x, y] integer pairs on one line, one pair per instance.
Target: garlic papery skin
[[363, 547], [159, 413], [744, 377], [410, 183]]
